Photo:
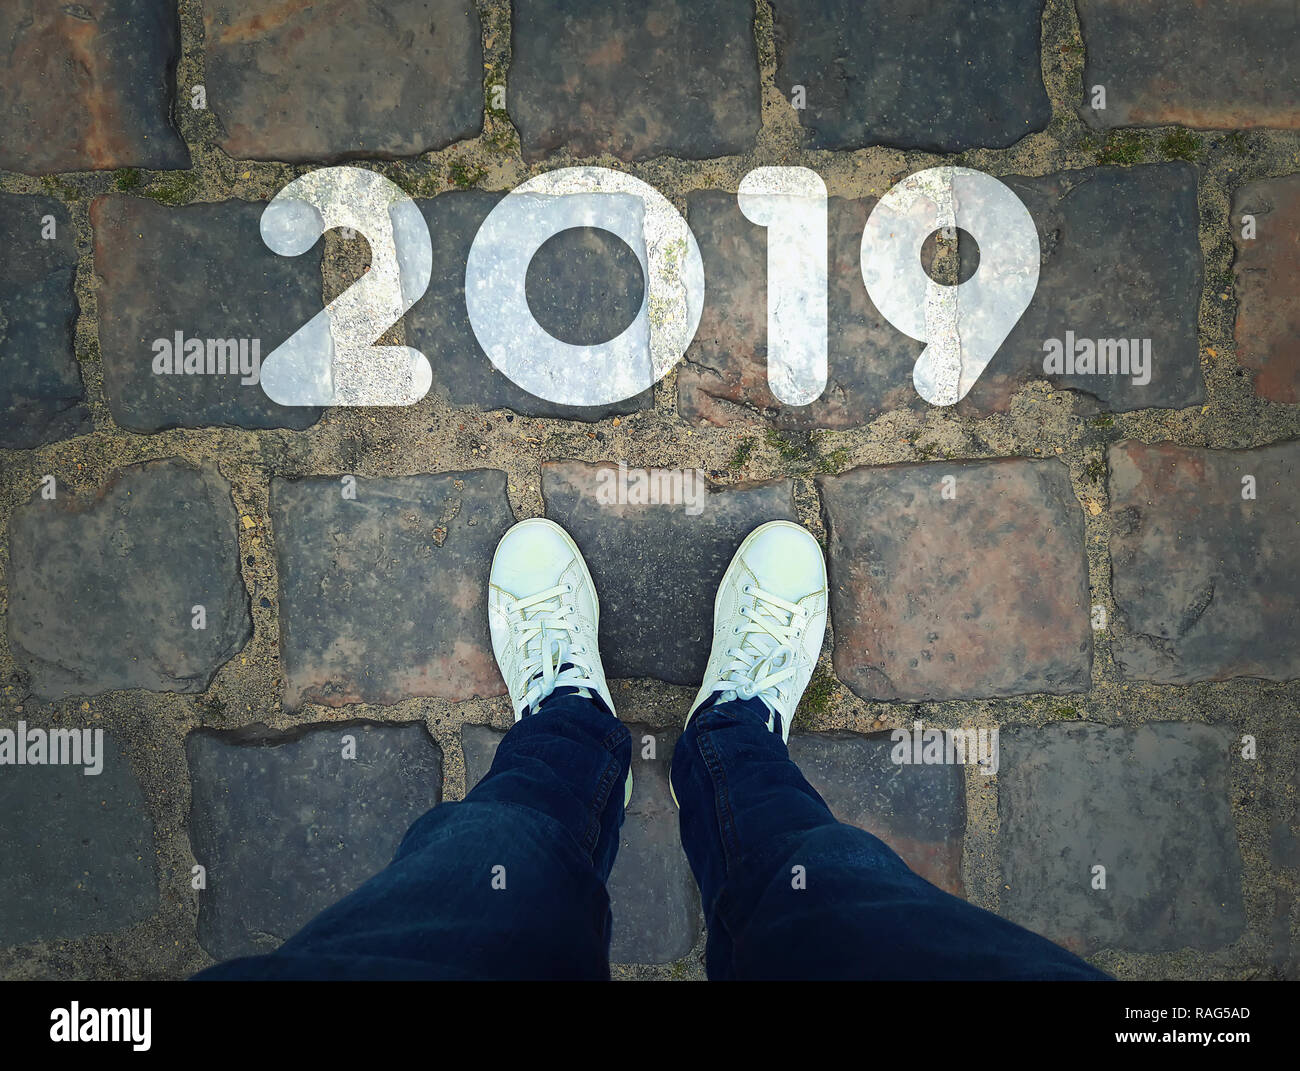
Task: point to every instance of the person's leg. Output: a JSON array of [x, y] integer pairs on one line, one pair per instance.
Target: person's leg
[[510, 882], [788, 891]]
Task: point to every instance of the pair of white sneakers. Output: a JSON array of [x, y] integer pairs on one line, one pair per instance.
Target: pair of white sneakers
[[769, 618]]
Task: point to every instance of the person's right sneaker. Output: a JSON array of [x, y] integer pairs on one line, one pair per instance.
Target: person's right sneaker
[[769, 619]]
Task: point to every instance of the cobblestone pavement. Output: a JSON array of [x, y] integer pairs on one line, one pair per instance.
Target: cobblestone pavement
[[275, 614]]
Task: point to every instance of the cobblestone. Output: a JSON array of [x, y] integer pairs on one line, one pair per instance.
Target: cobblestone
[[635, 79], [1215, 66], [41, 394], [88, 86], [98, 601], [159, 269], [958, 581], [1068, 795], [1268, 300], [406, 559], [305, 81], [286, 826], [1202, 573], [656, 566]]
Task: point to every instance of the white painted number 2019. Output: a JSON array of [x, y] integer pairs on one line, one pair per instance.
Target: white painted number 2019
[[334, 359]]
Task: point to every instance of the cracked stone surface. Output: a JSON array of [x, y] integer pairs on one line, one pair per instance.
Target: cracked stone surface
[[384, 596], [99, 602], [656, 566], [42, 398], [653, 896], [1267, 268], [919, 810], [582, 288], [1120, 261], [285, 826], [1212, 66], [983, 593], [160, 268], [1204, 578], [89, 86], [1067, 799], [634, 78], [86, 845], [311, 81], [911, 73]]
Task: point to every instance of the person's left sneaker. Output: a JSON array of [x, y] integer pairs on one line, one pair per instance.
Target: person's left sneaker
[[544, 616]]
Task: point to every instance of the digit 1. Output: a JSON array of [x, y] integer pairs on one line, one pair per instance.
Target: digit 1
[[962, 325], [791, 203]]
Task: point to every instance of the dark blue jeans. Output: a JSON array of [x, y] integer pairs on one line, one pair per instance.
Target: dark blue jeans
[[510, 882]]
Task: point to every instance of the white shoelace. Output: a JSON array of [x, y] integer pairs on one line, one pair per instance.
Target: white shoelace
[[544, 636], [764, 658]]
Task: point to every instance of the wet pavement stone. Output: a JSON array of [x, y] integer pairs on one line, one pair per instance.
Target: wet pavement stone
[[1203, 578], [86, 847], [383, 596], [302, 80], [89, 86], [634, 78], [42, 398], [911, 73], [656, 567], [977, 595], [1150, 804], [1267, 269], [918, 810], [204, 271], [1213, 66], [287, 826], [653, 896], [582, 289], [103, 587], [1120, 259]]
